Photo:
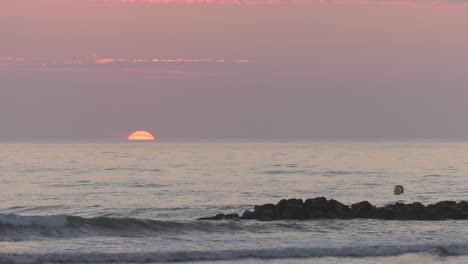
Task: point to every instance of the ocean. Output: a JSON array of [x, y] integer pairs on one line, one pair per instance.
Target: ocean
[[133, 202]]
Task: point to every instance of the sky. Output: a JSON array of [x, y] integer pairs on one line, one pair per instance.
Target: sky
[[233, 69]]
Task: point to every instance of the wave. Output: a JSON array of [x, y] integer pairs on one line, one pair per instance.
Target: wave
[[318, 172], [132, 169], [39, 221], [16, 227], [220, 255]]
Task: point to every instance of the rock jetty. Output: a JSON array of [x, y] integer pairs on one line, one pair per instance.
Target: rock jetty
[[321, 208]]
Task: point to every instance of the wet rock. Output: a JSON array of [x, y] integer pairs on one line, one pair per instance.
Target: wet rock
[[266, 211], [384, 213], [340, 209], [402, 212], [463, 205], [445, 204], [320, 207], [281, 206], [417, 205], [316, 207], [446, 211], [362, 206], [416, 211], [248, 215], [221, 217], [293, 211], [362, 209]]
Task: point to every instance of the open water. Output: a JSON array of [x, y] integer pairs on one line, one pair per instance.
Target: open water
[[127, 202]]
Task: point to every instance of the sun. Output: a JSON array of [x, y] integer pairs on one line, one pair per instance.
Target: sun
[[141, 135]]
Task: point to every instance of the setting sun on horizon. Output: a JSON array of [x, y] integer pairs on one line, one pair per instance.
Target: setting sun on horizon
[[140, 135]]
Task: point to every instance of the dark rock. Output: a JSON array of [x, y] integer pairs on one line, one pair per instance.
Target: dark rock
[[266, 211], [441, 204], [363, 209], [231, 217], [417, 205], [445, 204], [318, 203], [401, 212], [415, 211], [316, 208], [447, 212], [338, 208], [221, 217], [398, 205], [293, 211], [384, 213], [363, 206], [321, 208], [248, 215], [281, 206], [463, 205]]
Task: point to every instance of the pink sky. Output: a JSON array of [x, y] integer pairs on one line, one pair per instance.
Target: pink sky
[[233, 69]]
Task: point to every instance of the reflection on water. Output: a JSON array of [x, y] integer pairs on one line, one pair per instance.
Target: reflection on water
[[199, 175]]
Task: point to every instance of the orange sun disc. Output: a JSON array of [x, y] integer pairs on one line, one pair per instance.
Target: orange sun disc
[[141, 135]]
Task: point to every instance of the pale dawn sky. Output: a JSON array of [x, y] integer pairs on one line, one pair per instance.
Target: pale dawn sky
[[233, 69]]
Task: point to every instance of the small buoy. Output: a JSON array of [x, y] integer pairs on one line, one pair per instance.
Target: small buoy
[[398, 190]]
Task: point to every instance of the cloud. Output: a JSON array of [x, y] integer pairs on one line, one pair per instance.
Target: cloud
[[157, 66]]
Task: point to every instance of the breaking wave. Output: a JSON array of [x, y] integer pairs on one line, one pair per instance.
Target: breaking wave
[[15, 227]]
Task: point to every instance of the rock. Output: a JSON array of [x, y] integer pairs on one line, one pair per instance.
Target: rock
[[248, 215], [463, 205], [362, 209], [293, 211], [266, 211], [338, 208], [221, 217], [415, 211], [384, 213], [281, 206], [445, 210], [319, 203], [401, 212], [231, 217], [321, 208], [417, 205], [316, 208], [363, 206], [445, 204]]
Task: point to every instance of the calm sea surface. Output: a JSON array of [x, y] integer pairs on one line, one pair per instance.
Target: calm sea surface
[[137, 202]]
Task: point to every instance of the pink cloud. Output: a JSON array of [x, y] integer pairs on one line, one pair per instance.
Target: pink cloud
[[105, 61], [11, 59], [158, 67], [162, 60], [94, 60]]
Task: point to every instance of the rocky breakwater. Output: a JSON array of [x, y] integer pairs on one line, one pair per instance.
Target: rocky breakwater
[[321, 208]]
